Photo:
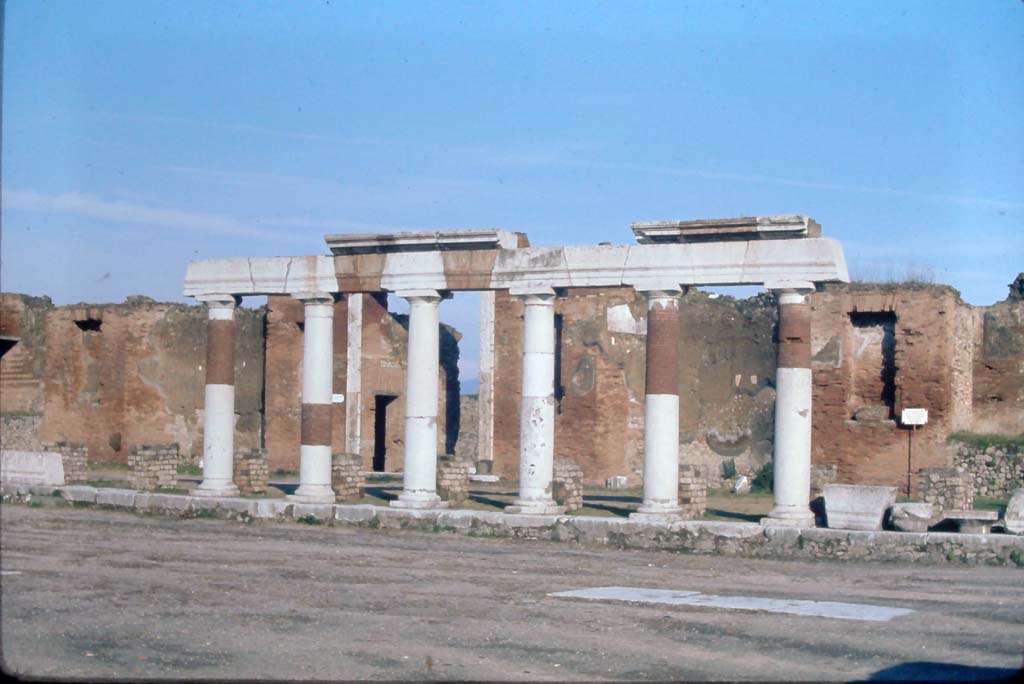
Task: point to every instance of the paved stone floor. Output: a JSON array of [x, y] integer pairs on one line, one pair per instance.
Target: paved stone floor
[[89, 593]]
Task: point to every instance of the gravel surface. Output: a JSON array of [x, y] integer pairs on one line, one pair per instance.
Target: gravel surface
[[100, 594]]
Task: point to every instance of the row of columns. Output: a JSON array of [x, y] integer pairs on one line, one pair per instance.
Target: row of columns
[[536, 429]]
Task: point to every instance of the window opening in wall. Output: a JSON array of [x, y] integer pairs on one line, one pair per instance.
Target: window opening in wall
[[89, 325], [873, 394], [380, 431], [559, 387]]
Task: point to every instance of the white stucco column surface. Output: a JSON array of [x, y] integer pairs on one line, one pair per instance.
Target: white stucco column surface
[[219, 400], [419, 489], [661, 408], [537, 406], [317, 377], [792, 457]]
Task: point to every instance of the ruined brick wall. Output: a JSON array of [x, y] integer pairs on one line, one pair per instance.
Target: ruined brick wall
[[384, 354], [726, 378], [876, 350], [283, 370], [22, 353], [123, 375], [998, 379]]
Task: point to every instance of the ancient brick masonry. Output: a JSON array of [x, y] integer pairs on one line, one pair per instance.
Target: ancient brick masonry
[[946, 488], [347, 476], [452, 479], [153, 466], [567, 485], [693, 491], [251, 471], [75, 458]]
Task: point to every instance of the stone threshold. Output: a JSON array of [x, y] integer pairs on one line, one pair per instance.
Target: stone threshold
[[749, 540]]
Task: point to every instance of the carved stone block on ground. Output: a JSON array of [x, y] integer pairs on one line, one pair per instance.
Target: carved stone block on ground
[[912, 517], [31, 468], [1014, 516], [857, 507]]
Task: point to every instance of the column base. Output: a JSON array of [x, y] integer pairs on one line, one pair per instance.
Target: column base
[[548, 507], [657, 514], [312, 494], [418, 501], [215, 489], [789, 516]]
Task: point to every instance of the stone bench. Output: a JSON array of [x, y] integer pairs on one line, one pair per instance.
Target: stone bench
[[972, 522]]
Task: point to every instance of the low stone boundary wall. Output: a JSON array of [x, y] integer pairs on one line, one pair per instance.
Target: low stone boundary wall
[[747, 540], [347, 477], [992, 471], [75, 457], [693, 491], [153, 465], [251, 471], [946, 488], [452, 479], [567, 485]]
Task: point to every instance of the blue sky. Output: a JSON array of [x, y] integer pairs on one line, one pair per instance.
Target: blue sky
[[139, 135]]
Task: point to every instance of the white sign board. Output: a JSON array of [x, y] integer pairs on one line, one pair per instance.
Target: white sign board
[[914, 416], [337, 398]]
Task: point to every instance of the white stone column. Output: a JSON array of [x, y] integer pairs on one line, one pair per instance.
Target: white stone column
[[419, 488], [219, 401], [661, 407], [317, 378], [537, 405], [792, 457], [354, 376], [485, 401]]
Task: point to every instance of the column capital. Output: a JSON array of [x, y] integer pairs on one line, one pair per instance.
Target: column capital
[[534, 294], [220, 301], [422, 295], [314, 297]]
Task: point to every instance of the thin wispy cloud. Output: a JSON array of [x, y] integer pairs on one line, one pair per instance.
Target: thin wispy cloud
[[89, 206]]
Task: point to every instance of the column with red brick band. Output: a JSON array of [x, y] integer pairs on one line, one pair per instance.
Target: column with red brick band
[[661, 407], [219, 398], [317, 379], [792, 457]]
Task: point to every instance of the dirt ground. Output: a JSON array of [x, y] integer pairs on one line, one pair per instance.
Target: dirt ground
[[89, 593]]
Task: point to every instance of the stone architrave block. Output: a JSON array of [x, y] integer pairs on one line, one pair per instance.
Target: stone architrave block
[[1013, 519], [31, 468], [857, 507], [912, 517]]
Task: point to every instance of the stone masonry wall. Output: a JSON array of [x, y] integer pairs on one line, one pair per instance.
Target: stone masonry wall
[[74, 457], [153, 466], [567, 485], [452, 479], [990, 471], [347, 476], [123, 375], [251, 471], [946, 488], [998, 371], [693, 489]]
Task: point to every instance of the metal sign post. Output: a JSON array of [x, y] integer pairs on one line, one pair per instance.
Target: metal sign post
[[912, 417]]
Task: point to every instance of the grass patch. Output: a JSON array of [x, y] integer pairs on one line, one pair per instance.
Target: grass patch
[[189, 469], [20, 414], [985, 440], [115, 484], [309, 520], [990, 504]]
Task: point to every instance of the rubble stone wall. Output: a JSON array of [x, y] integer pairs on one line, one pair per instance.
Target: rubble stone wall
[[347, 476], [990, 471], [250, 471], [946, 488], [567, 485], [153, 466]]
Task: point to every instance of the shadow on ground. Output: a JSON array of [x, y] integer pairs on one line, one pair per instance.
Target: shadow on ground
[[925, 671]]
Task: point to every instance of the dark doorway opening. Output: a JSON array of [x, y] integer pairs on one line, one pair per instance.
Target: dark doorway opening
[[380, 430]]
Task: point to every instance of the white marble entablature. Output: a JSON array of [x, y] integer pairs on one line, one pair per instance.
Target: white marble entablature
[[260, 276]]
